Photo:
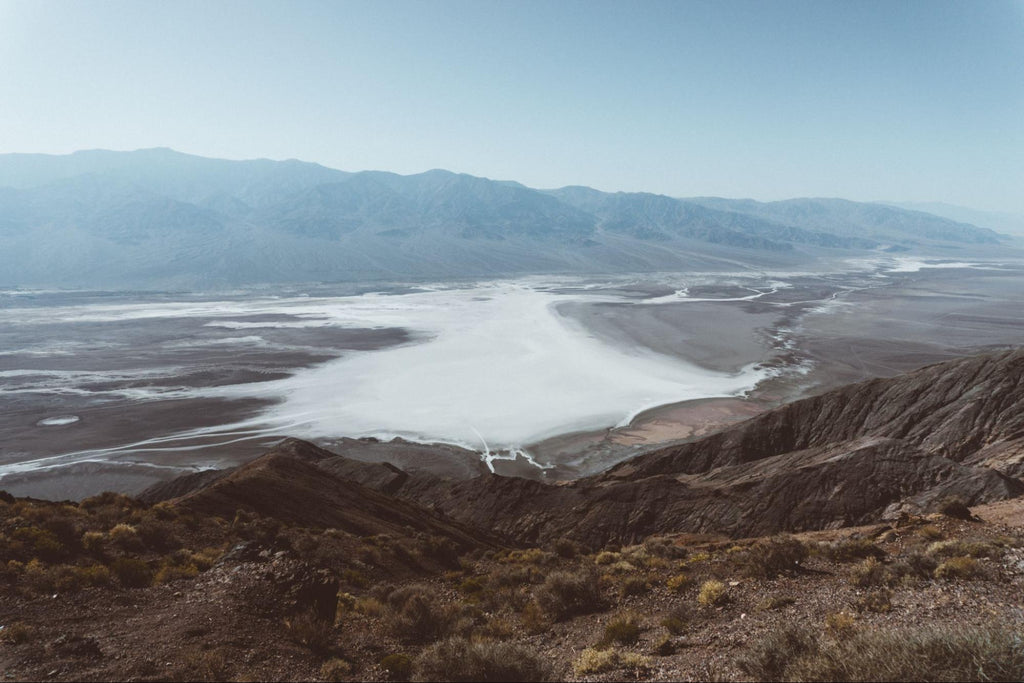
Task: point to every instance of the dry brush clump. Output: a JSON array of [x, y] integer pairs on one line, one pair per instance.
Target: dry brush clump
[[919, 653], [566, 594], [770, 557], [623, 629], [712, 593], [107, 541], [850, 550], [416, 616], [955, 507], [597, 661], [460, 659], [310, 631], [964, 568]]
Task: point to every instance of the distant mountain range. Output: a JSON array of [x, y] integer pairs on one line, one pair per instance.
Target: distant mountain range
[[157, 218]]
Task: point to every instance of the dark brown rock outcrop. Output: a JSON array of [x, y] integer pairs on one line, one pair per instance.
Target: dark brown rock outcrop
[[287, 484], [837, 459]]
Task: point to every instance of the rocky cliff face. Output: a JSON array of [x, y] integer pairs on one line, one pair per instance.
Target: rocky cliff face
[[850, 456], [833, 460], [967, 411]]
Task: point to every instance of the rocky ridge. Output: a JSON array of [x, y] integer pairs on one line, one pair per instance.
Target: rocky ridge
[[856, 455]]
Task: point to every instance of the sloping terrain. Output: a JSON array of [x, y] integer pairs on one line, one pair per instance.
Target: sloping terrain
[[828, 461]]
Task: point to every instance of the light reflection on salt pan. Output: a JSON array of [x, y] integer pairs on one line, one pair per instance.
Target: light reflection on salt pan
[[500, 365]]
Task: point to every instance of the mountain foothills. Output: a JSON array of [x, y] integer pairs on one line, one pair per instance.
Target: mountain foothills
[[158, 218], [869, 533], [856, 455]]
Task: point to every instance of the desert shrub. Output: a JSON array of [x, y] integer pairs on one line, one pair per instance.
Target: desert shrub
[[664, 647], [371, 607], [205, 558], [535, 619], [93, 542], [94, 575], [397, 667], [16, 633], [773, 602], [623, 629], [840, 624], [514, 575], [606, 557], [663, 547], [211, 665], [66, 533], [416, 615], [66, 578], [635, 585], [567, 594], [531, 556], [474, 585], [678, 619], [594, 661], [697, 558], [164, 511], [109, 499], [354, 577], [770, 557], [39, 543], [310, 631], [498, 628], [157, 535], [958, 548], [955, 507], [37, 578], [126, 537], [621, 567], [459, 659], [678, 582], [336, 670], [566, 549], [959, 568], [769, 658], [878, 600], [442, 550], [925, 653], [869, 573], [850, 550], [132, 572], [500, 599], [914, 565], [11, 571], [171, 571], [712, 593]]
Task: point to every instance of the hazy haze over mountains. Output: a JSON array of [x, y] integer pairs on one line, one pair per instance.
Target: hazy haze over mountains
[[157, 218]]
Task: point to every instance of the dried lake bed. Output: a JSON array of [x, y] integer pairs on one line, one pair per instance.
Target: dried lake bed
[[543, 376]]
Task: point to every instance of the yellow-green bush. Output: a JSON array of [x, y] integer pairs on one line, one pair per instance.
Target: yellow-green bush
[[712, 592]]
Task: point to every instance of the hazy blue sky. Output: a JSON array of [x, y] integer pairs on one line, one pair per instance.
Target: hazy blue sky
[[867, 100]]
